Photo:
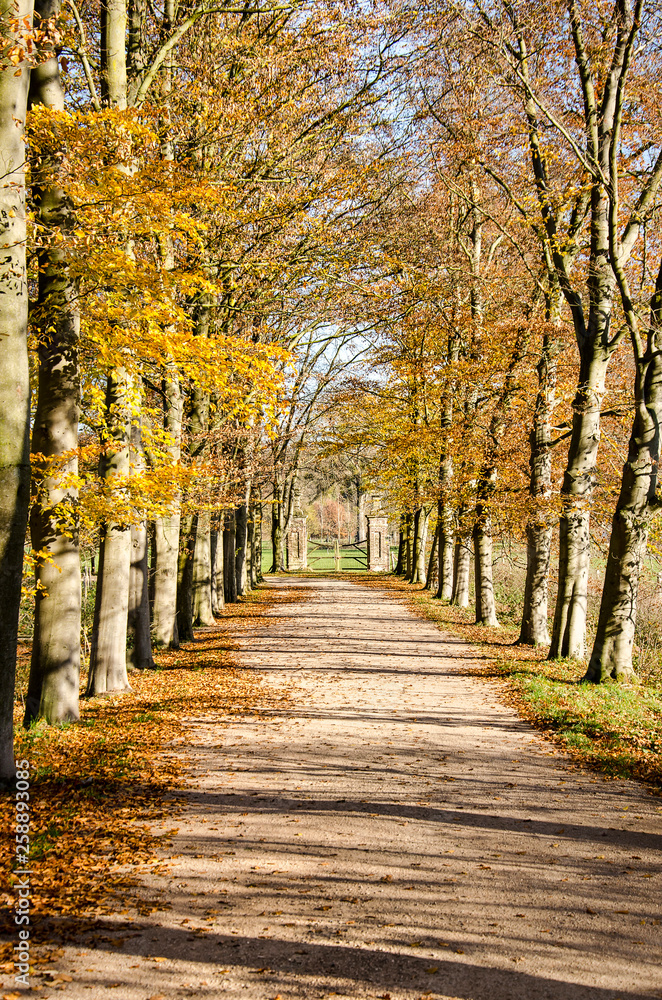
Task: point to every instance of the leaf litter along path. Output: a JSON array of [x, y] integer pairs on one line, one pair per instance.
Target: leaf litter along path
[[394, 832]]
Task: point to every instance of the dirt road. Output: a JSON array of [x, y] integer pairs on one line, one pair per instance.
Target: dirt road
[[394, 832]]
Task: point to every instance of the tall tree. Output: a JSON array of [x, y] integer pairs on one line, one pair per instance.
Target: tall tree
[[55, 665], [14, 379], [108, 652]]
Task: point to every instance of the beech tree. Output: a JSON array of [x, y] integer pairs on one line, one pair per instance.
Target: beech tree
[[598, 53], [17, 42]]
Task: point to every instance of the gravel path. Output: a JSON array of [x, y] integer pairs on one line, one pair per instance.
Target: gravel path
[[394, 832]]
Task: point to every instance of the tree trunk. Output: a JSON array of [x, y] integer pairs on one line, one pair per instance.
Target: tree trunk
[[462, 571], [14, 376], [164, 611], [287, 512], [187, 532], [250, 550], [445, 557], [217, 589], [638, 502], [484, 586], [446, 562], [408, 546], [592, 325], [229, 550], [55, 665], [420, 539], [611, 658], [432, 576], [189, 573], [276, 528], [400, 565], [257, 535], [412, 575], [201, 608], [360, 510], [139, 639], [166, 528], [569, 631], [113, 53], [139, 652], [534, 631], [482, 537], [446, 472], [241, 537], [108, 648]]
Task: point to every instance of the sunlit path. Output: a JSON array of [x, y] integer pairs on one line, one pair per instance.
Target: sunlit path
[[395, 831]]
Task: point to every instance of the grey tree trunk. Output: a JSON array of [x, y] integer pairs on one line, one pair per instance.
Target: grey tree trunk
[[287, 513], [190, 525], [277, 539], [139, 639], [360, 510], [108, 647], [446, 562], [611, 658], [462, 571], [187, 533], [113, 41], [432, 576], [139, 652], [241, 529], [202, 572], [400, 564], [412, 576], [250, 550], [164, 606], [229, 550], [591, 308], [484, 585], [638, 502], [166, 529], [257, 542], [446, 543], [14, 377], [218, 590], [55, 664], [482, 532], [446, 513], [569, 631], [534, 631], [408, 546], [420, 542]]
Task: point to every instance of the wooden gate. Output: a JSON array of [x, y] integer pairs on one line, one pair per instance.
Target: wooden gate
[[334, 557]]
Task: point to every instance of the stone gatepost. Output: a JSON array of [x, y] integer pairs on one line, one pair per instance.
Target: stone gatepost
[[296, 544], [378, 543]]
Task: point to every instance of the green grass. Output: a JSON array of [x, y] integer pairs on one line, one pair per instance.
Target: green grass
[[616, 726]]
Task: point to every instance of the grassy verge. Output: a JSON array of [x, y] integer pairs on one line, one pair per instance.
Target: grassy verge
[[615, 728], [100, 788]]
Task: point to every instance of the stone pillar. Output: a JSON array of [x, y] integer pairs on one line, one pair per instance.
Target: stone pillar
[[378, 543], [296, 544]]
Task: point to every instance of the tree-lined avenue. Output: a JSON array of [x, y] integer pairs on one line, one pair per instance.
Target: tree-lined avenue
[[393, 829]]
